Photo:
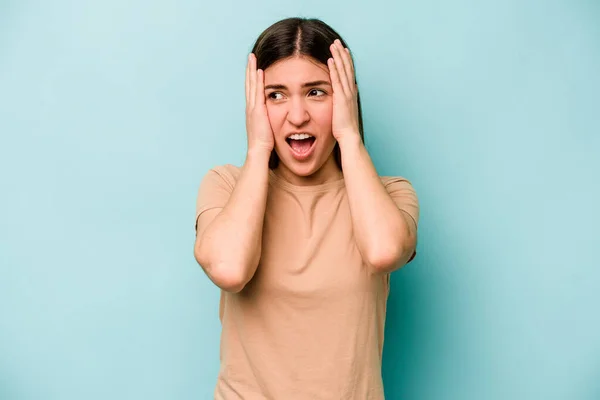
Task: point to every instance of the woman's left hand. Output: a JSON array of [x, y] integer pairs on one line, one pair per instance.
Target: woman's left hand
[[345, 95]]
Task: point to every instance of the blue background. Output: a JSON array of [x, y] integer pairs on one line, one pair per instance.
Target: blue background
[[111, 112]]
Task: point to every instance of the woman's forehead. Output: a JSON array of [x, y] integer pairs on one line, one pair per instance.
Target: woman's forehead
[[295, 71]]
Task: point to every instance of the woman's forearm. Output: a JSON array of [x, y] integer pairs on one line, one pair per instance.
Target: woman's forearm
[[230, 247], [382, 232]]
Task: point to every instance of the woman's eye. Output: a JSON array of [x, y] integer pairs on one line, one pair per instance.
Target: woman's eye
[[316, 92], [274, 95]]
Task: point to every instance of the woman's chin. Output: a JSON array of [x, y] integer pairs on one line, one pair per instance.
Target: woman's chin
[[302, 169]]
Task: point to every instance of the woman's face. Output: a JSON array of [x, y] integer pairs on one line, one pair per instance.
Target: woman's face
[[298, 95]]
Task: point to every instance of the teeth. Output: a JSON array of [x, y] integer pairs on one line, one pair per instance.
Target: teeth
[[300, 136]]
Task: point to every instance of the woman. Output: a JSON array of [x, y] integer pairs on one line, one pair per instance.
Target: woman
[[302, 238]]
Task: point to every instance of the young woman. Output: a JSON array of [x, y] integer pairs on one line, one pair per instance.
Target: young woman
[[302, 238]]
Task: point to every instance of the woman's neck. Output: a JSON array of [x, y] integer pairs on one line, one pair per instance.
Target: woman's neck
[[328, 172]]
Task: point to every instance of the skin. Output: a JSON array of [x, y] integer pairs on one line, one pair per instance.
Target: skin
[[293, 106], [228, 242]]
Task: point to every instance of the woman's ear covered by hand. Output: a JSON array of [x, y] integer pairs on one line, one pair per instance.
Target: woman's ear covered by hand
[[258, 127], [345, 93]]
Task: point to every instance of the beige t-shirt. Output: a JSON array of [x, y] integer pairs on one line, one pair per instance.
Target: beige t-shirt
[[310, 323]]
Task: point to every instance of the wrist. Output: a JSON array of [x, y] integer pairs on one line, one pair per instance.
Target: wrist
[[350, 142], [258, 154]]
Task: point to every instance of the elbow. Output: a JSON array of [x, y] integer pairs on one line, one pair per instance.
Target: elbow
[[388, 258], [384, 260], [225, 275], [229, 281]]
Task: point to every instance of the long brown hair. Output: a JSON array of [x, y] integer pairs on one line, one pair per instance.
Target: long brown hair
[[309, 37]]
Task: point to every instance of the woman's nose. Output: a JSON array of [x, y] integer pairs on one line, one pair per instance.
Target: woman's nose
[[297, 113]]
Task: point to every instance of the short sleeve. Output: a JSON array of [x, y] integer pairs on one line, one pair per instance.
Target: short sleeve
[[215, 189], [405, 197]]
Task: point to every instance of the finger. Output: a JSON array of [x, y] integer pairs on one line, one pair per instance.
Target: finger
[[339, 64], [335, 77], [345, 74], [247, 82], [343, 52], [260, 88], [350, 63], [252, 80]]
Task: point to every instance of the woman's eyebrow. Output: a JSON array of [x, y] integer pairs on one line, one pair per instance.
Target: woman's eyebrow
[[278, 87], [307, 84], [316, 83]]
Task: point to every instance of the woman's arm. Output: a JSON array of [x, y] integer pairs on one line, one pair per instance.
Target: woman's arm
[[386, 236], [228, 242]]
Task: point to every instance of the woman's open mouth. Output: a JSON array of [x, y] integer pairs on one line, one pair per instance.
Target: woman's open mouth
[[301, 145]]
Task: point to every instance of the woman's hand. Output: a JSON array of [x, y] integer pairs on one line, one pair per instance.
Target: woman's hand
[[258, 127], [345, 94]]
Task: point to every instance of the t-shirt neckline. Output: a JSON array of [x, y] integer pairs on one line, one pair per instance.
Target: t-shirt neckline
[[281, 182]]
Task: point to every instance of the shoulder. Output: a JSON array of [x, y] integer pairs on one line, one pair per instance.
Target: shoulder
[[216, 186], [395, 182], [403, 193], [227, 174]]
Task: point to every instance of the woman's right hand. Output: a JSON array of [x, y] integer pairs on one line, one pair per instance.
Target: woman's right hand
[[258, 127]]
